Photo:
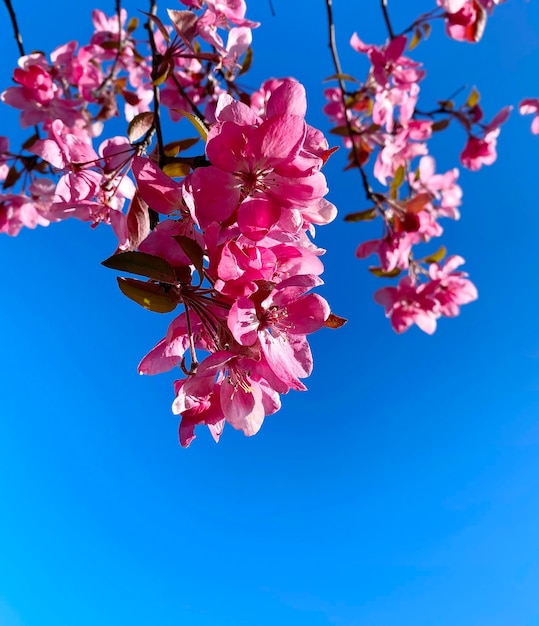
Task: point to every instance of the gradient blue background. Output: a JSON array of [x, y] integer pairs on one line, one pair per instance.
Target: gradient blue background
[[401, 490]]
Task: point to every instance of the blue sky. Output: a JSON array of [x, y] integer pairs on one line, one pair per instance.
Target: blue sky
[[401, 490]]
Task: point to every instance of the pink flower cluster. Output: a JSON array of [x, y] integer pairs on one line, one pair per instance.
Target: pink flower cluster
[[465, 20], [238, 238], [380, 120], [72, 95], [422, 303], [235, 248]]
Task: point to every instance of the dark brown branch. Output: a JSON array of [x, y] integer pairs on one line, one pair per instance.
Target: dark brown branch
[[371, 196], [154, 216], [110, 75], [15, 25], [386, 19], [185, 95], [156, 99]]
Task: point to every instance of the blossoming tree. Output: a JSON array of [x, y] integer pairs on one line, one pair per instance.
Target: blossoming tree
[[218, 225]]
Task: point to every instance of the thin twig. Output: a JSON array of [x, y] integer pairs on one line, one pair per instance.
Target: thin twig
[[386, 19], [185, 95], [110, 75], [156, 99], [15, 25], [371, 196], [154, 216]]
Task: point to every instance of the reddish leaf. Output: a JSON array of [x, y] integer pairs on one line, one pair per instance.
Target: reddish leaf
[[193, 251], [175, 147], [138, 221], [334, 321], [440, 124], [12, 177], [139, 125], [185, 24], [160, 26], [417, 203]]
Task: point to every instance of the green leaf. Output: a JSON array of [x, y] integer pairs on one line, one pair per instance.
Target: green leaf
[[362, 216], [142, 264], [163, 72], [197, 123], [132, 25], [447, 104], [473, 98], [151, 296], [176, 170], [247, 61], [378, 271], [415, 39], [399, 177], [437, 256]]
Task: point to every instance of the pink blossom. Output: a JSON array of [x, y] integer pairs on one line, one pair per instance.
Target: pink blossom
[[531, 106], [229, 385], [466, 19], [393, 250], [18, 210], [442, 186], [408, 304], [482, 150], [449, 288]]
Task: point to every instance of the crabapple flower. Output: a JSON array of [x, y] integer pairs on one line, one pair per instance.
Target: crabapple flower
[[531, 106], [423, 303], [408, 304], [480, 151], [466, 19], [449, 288]]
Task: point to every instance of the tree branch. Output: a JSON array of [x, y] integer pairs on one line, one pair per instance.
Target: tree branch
[[371, 196], [15, 25], [386, 19]]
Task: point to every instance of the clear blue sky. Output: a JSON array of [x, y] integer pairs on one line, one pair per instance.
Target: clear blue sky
[[401, 490]]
